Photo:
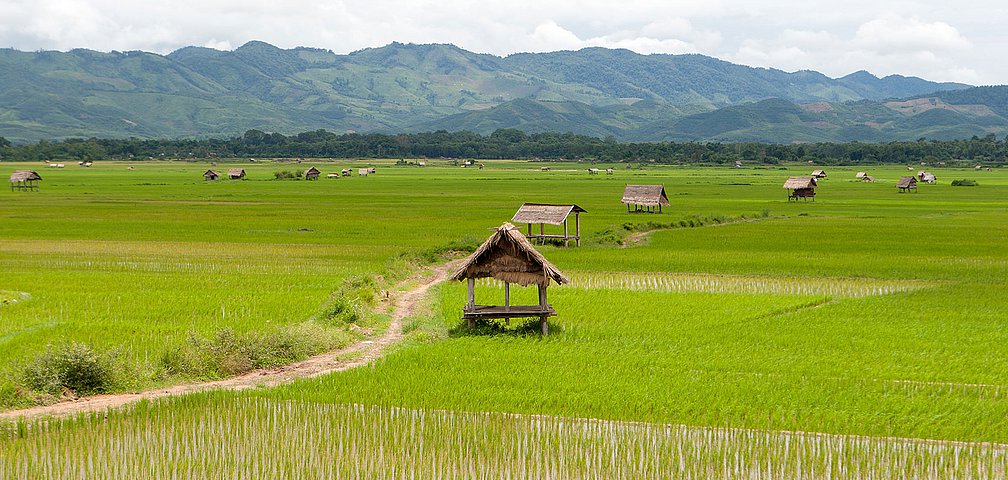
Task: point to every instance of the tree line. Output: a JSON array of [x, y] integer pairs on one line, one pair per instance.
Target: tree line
[[511, 143]]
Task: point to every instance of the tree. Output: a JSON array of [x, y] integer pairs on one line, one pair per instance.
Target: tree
[[4, 143]]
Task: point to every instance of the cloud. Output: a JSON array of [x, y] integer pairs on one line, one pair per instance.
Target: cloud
[[915, 37], [886, 45], [893, 34]]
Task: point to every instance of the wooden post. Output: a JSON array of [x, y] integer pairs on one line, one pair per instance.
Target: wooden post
[[472, 292], [507, 296], [544, 325], [566, 238], [542, 231], [577, 229], [529, 225], [542, 297]]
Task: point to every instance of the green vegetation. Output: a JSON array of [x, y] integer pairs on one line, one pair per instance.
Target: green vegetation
[[860, 335], [200, 92], [247, 438], [964, 183], [512, 143]]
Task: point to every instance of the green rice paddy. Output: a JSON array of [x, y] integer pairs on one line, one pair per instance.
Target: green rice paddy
[[869, 324]]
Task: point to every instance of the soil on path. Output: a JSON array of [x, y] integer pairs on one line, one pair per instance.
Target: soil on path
[[402, 303]]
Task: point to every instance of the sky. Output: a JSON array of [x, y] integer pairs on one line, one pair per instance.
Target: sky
[[960, 41]]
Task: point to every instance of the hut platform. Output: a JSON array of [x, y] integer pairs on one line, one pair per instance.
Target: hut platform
[[476, 312]]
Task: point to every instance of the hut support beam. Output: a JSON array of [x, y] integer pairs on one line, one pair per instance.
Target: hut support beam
[[471, 300], [507, 295], [577, 228], [566, 237], [544, 304]]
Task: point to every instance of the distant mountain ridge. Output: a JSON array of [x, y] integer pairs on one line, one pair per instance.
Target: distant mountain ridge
[[202, 92]]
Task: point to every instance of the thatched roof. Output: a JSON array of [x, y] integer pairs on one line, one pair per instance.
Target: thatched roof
[[24, 176], [819, 173], [906, 182], [646, 195], [211, 173], [927, 177], [312, 171], [544, 213], [800, 182], [509, 257], [236, 172], [868, 178], [861, 175]]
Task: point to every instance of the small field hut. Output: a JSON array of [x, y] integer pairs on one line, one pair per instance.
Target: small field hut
[[210, 175], [312, 174], [819, 174], [864, 177], [926, 177], [25, 180], [801, 187], [907, 183], [509, 257], [645, 198], [236, 173], [543, 214]]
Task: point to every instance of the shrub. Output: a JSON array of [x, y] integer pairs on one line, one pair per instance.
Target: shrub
[[75, 367], [964, 183], [288, 175]]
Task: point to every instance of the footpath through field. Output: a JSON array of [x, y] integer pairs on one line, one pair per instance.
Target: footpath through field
[[403, 303]]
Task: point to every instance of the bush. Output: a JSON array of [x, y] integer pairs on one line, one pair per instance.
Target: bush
[[288, 175], [964, 183], [75, 367]]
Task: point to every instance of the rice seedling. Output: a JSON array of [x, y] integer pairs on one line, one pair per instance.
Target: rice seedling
[[241, 438]]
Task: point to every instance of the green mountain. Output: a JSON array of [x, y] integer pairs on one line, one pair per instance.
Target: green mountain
[[202, 92], [943, 116]]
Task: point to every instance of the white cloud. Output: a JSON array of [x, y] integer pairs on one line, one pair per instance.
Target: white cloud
[[895, 34], [931, 38]]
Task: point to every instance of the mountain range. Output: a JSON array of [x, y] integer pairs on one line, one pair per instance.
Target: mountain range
[[201, 92]]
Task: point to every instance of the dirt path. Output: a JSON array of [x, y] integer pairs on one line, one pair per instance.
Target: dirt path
[[403, 304]]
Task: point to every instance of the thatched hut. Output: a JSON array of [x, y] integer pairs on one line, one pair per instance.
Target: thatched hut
[[236, 173], [801, 187], [210, 175], [819, 174], [509, 257], [645, 198], [907, 183], [860, 175], [926, 177], [312, 174], [544, 214], [25, 180]]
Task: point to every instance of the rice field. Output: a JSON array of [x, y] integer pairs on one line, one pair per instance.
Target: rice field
[[860, 336], [252, 438]]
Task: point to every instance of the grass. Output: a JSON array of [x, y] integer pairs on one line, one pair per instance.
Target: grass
[[865, 313]]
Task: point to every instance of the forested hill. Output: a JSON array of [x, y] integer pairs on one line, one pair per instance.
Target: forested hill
[[201, 92]]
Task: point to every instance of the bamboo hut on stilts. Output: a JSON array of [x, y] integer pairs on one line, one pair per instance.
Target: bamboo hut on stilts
[[509, 257]]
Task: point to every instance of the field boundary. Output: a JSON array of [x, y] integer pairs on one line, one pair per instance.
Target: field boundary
[[403, 304]]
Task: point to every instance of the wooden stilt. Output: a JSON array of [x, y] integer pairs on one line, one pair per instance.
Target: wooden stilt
[[577, 228], [507, 296], [566, 238], [544, 325]]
